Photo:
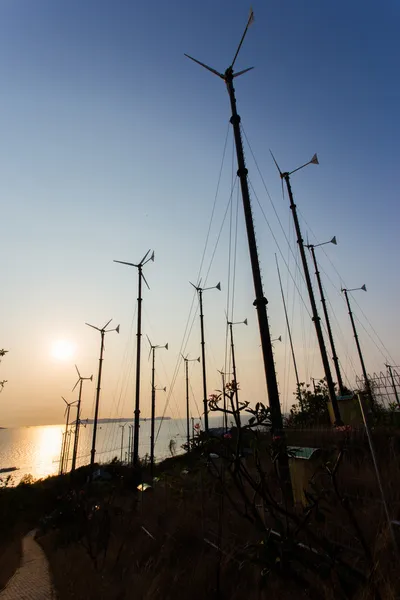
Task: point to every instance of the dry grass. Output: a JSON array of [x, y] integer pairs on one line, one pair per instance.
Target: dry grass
[[185, 539]]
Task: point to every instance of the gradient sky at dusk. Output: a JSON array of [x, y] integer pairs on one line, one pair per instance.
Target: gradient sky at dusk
[[111, 144]]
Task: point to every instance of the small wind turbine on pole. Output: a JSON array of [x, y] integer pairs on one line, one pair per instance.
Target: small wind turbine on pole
[[200, 291], [187, 360], [223, 375], [65, 444], [360, 354], [230, 325], [335, 359], [146, 258], [153, 400], [78, 416], [290, 336], [102, 331], [315, 317]]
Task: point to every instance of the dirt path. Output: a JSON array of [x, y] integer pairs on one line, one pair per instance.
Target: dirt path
[[31, 581]]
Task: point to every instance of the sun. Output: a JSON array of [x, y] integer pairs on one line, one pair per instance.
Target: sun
[[63, 349]]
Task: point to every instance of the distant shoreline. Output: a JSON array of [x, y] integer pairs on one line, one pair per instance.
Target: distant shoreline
[[90, 422]]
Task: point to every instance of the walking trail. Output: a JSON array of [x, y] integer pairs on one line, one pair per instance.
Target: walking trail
[[31, 581]]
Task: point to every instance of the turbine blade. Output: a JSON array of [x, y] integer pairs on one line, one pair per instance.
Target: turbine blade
[[242, 72], [77, 370], [144, 257], [122, 262], [64, 399], [106, 325], [145, 280], [94, 327], [277, 166], [76, 384], [250, 20], [205, 66], [148, 339]]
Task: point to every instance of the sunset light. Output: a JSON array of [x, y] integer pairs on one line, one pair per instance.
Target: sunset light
[[63, 350]]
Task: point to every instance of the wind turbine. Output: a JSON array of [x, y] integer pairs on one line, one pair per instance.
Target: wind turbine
[[65, 445], [360, 354], [335, 359], [146, 258], [315, 317], [187, 360], [153, 400], [230, 325], [102, 331], [260, 301], [200, 291], [78, 415]]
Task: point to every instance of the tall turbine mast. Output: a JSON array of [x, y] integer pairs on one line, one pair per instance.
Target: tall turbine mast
[[146, 258], [260, 301]]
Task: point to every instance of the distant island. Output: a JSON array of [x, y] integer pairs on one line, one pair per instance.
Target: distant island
[[129, 420]]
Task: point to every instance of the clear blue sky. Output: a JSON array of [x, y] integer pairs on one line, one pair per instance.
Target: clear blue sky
[[111, 143]]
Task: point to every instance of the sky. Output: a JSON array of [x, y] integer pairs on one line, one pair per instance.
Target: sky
[[112, 143]]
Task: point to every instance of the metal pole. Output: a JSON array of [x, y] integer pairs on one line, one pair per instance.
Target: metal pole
[[77, 425], [393, 384], [224, 401], [61, 454], [234, 374], [138, 348], [130, 445], [371, 446], [192, 430], [153, 411], [63, 464], [315, 317], [96, 411], [187, 404], [203, 358], [366, 380], [260, 301], [290, 336], [335, 359], [122, 440]]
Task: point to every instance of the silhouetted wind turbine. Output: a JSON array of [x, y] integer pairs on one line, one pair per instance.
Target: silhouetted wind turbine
[[65, 451], [153, 400], [187, 361], [360, 354], [78, 416], [335, 359], [102, 331], [230, 325], [200, 291], [260, 301], [141, 276], [315, 317]]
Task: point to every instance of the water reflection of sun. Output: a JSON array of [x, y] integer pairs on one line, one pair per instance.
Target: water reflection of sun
[[48, 444]]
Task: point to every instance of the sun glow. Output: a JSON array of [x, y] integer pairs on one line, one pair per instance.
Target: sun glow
[[63, 349]]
